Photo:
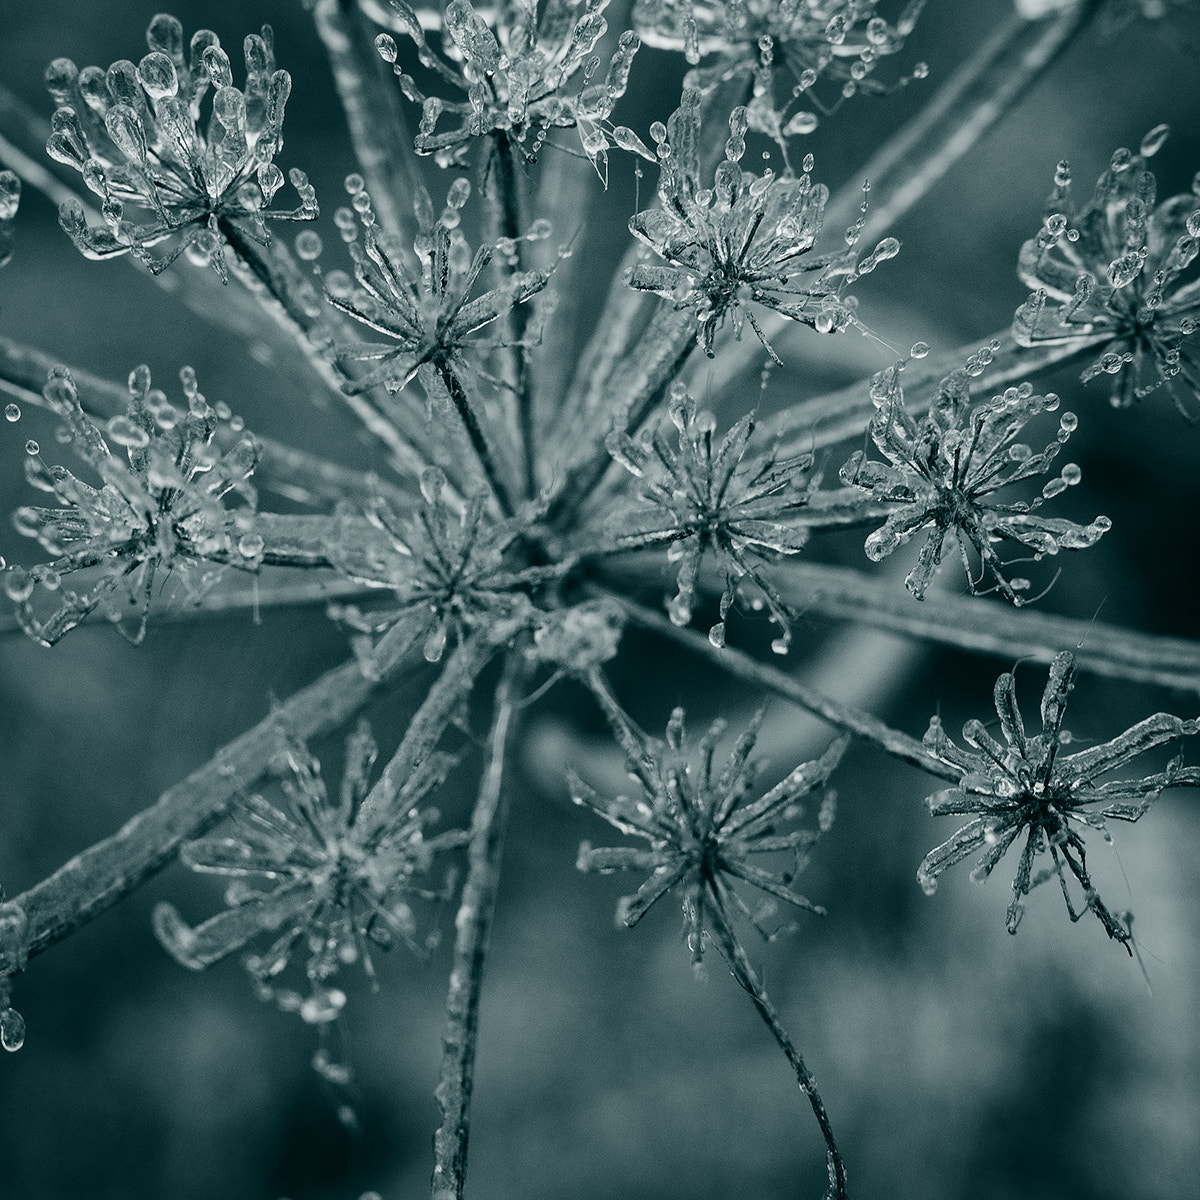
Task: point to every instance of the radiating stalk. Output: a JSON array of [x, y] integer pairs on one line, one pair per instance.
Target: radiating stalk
[[744, 973], [374, 114], [473, 925], [474, 431]]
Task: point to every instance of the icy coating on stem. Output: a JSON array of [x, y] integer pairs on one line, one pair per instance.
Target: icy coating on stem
[[136, 134]]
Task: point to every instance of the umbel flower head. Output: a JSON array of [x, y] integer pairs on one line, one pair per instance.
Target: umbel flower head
[[1028, 784], [787, 46], [522, 71], [137, 135], [450, 568], [163, 504], [746, 239], [706, 831], [942, 474], [1117, 275], [423, 306], [704, 498], [326, 878]]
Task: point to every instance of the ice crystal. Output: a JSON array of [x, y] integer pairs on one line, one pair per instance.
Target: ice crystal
[[163, 505], [137, 136], [14, 949], [942, 474], [745, 240], [702, 498], [424, 305], [784, 47], [1027, 785], [334, 879], [450, 568], [10, 196], [515, 66], [704, 830], [1116, 275]]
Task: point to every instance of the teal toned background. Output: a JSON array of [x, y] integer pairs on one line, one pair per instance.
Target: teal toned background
[[956, 1061]]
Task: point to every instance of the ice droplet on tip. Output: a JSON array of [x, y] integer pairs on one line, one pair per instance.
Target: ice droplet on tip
[[12, 412], [12, 1029]]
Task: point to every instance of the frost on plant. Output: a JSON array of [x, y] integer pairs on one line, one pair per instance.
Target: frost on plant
[[164, 504], [10, 196], [137, 134], [326, 878], [702, 497], [424, 306], [525, 73], [746, 239], [782, 47], [707, 831], [452, 568], [942, 473], [1116, 276], [1027, 784]]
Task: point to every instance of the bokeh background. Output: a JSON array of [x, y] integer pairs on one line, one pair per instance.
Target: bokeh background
[[957, 1061]]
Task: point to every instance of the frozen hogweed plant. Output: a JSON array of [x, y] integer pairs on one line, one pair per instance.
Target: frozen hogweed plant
[[1114, 279], [573, 479]]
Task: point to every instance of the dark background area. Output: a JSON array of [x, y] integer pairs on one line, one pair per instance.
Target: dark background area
[[956, 1061]]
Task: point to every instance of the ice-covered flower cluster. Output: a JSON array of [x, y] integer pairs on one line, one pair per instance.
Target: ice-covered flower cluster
[[703, 498], [170, 499], [1116, 276], [707, 831], [742, 240], [327, 878], [1028, 784], [138, 136], [942, 474], [522, 71]]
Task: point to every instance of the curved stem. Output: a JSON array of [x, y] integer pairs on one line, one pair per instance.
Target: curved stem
[[744, 973], [473, 924]]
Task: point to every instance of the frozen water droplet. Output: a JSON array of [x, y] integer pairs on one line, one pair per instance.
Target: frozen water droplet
[[308, 245], [125, 431], [386, 45], [919, 350], [12, 412], [1071, 474], [251, 545], [800, 124], [12, 1029], [1069, 421], [31, 447], [928, 883], [716, 635], [1152, 142]]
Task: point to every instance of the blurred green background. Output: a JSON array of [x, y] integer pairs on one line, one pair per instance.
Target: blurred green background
[[956, 1061]]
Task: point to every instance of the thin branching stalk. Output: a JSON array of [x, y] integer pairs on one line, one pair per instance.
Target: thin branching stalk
[[744, 973], [375, 116], [473, 925], [97, 878], [741, 666], [474, 431]]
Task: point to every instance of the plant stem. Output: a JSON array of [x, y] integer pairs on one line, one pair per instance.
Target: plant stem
[[470, 422], [509, 226], [742, 666], [744, 973], [473, 924], [370, 99]]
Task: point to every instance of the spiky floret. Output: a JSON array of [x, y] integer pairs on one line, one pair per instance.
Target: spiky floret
[[514, 64], [706, 831], [137, 135], [163, 505], [334, 880], [1117, 276], [743, 240], [1027, 784], [942, 474]]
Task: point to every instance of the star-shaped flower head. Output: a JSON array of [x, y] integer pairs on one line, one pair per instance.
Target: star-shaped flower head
[[163, 505], [451, 568], [707, 831], [326, 878], [522, 72], [137, 135], [942, 474], [1118, 275], [700, 497], [1028, 785], [786, 46], [422, 304], [746, 239]]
